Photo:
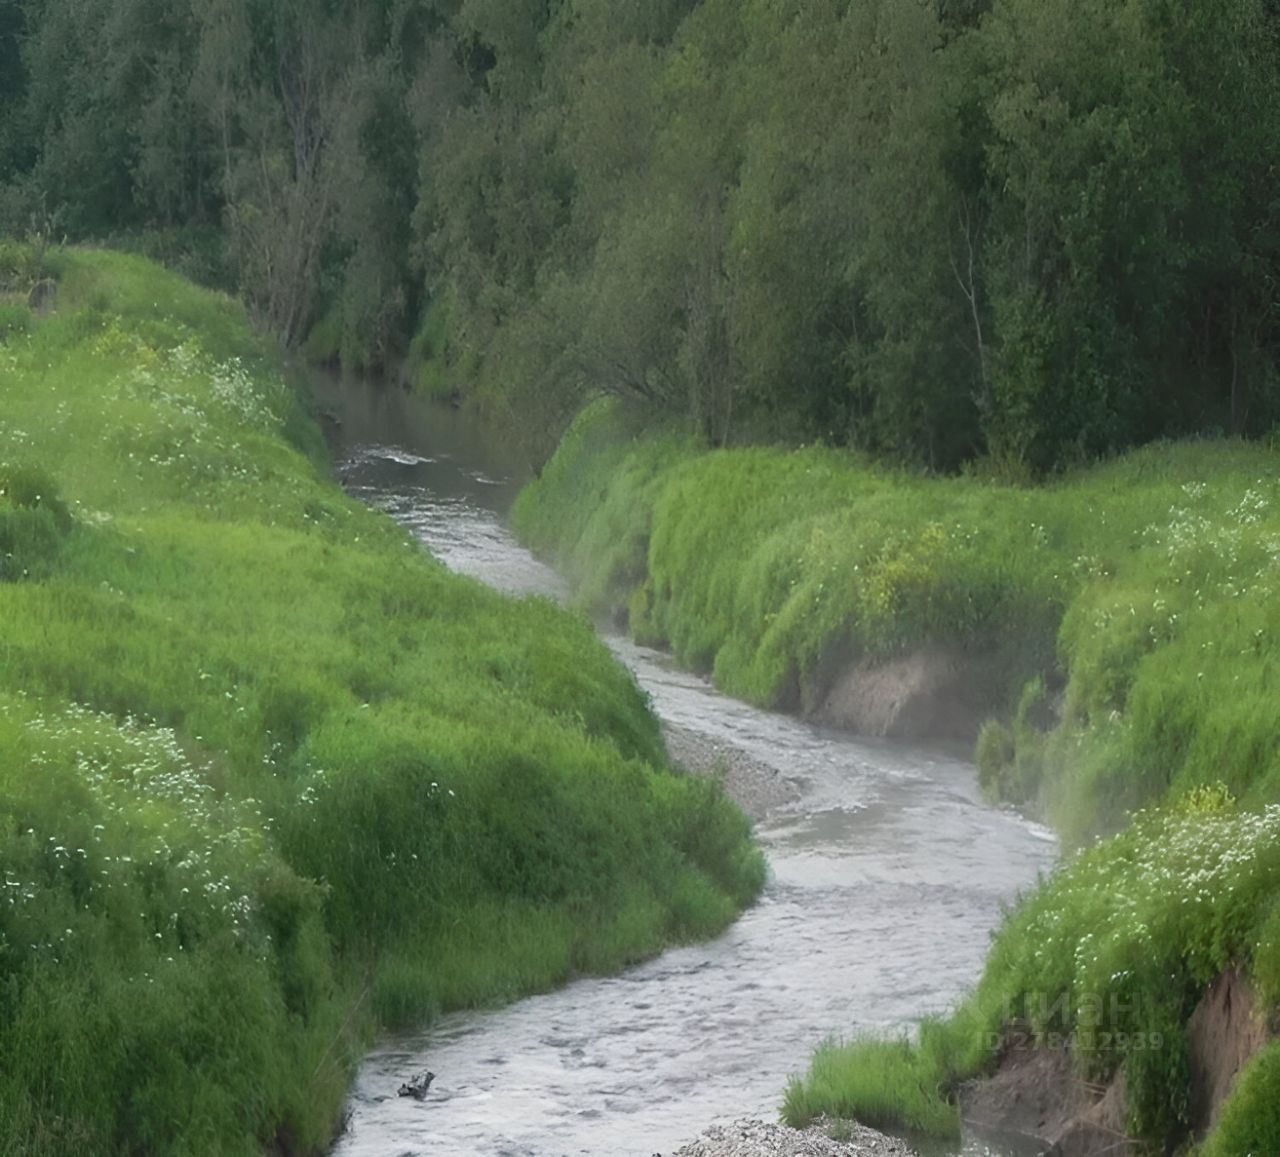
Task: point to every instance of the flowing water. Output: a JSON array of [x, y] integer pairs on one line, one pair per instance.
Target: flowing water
[[888, 873]]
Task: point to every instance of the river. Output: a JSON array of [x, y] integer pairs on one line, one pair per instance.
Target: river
[[888, 873]]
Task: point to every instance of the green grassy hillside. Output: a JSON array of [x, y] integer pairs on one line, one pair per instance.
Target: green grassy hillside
[[269, 776], [1125, 619]]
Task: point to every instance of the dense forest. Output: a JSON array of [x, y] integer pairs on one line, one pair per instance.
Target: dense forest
[[1026, 232]]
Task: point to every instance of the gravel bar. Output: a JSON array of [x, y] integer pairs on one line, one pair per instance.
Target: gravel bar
[[754, 786], [760, 1139]]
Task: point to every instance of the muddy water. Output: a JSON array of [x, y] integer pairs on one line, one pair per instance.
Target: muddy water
[[888, 874]]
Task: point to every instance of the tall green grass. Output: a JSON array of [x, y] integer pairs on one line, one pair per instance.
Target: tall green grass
[[887, 1084], [269, 776], [1121, 623]]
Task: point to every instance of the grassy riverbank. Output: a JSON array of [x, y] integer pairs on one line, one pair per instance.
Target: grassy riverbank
[[270, 777], [1124, 622]]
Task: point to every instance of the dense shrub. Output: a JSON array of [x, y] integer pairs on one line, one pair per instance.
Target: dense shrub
[[34, 523]]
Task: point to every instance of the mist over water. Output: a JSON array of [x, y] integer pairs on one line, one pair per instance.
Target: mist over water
[[888, 874]]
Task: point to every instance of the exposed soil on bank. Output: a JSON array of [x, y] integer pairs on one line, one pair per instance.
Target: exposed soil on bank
[[1225, 1032], [1037, 1093], [1036, 1090], [930, 693]]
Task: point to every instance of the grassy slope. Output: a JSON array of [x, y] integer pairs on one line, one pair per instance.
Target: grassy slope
[[1146, 587], [1144, 594], [268, 775]]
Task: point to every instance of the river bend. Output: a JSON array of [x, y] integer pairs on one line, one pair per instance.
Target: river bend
[[888, 873]]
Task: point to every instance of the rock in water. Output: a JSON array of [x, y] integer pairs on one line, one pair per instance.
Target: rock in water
[[416, 1087]]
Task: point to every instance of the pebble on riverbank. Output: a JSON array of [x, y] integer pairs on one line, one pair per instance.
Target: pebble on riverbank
[[752, 784], [760, 1139]]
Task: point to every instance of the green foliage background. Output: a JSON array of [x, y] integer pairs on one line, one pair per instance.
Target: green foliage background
[[1034, 231]]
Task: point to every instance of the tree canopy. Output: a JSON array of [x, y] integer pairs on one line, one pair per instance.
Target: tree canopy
[[1037, 231]]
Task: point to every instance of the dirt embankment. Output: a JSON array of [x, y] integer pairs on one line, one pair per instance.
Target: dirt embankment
[[1225, 1032], [930, 693], [1037, 1092]]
